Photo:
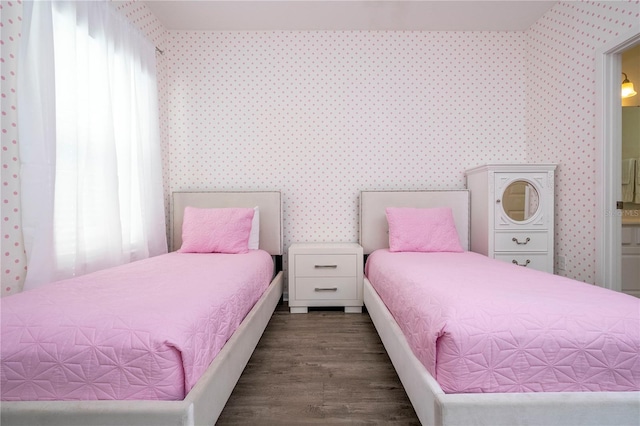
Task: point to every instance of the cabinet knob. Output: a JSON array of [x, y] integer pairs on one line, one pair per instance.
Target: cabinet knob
[[498, 201], [515, 262]]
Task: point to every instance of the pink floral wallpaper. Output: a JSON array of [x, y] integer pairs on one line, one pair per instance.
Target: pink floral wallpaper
[[322, 115]]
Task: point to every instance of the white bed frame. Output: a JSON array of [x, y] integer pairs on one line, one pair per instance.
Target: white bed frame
[[431, 404], [204, 403]]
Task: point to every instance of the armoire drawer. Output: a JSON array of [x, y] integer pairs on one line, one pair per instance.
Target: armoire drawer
[[537, 261], [521, 241]]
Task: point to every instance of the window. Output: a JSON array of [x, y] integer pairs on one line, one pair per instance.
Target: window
[[90, 145]]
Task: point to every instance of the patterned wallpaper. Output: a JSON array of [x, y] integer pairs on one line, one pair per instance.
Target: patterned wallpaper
[[13, 259], [561, 115], [322, 115]]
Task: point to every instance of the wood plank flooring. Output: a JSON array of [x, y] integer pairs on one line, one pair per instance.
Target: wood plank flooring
[[324, 367]]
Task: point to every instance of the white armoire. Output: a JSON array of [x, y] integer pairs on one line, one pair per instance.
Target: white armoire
[[512, 211]]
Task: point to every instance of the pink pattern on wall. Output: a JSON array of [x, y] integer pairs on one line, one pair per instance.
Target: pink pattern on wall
[[321, 115], [561, 115], [13, 259]]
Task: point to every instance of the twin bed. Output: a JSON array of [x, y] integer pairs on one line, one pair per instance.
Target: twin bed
[[86, 351], [476, 341], [464, 332]]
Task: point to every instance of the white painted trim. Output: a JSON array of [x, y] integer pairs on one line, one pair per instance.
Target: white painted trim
[[608, 155]]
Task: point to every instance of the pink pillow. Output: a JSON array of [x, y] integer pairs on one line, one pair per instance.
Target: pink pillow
[[216, 230], [424, 230]]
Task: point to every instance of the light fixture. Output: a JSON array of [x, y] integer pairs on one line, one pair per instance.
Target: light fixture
[[627, 88]]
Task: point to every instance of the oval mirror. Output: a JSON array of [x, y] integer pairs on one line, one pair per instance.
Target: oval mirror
[[520, 200]]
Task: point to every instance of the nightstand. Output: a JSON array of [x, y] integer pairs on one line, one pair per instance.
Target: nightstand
[[325, 274]]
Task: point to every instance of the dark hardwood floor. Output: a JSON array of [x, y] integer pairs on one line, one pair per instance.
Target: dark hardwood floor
[[324, 367]]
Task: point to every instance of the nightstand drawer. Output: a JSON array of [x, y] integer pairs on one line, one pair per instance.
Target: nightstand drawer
[[536, 261], [339, 288], [521, 241], [325, 265]]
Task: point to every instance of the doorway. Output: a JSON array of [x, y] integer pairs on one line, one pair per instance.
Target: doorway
[[630, 267], [609, 151]]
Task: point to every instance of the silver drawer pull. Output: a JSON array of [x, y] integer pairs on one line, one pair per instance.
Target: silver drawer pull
[[515, 262], [325, 266], [514, 239], [325, 289]]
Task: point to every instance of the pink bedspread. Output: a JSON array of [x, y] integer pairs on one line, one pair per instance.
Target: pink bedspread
[[481, 325], [143, 331]]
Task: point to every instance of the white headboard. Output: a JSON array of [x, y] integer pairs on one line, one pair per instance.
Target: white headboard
[[268, 202], [374, 230]]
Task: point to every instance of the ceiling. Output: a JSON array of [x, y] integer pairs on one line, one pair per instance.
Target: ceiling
[[419, 15]]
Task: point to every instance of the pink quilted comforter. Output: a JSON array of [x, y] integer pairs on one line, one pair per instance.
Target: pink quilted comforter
[[142, 331], [481, 325]]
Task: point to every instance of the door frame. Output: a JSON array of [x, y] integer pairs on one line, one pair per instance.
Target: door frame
[[608, 158]]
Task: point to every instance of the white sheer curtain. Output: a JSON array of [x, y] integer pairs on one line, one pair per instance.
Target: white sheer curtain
[[89, 141]]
